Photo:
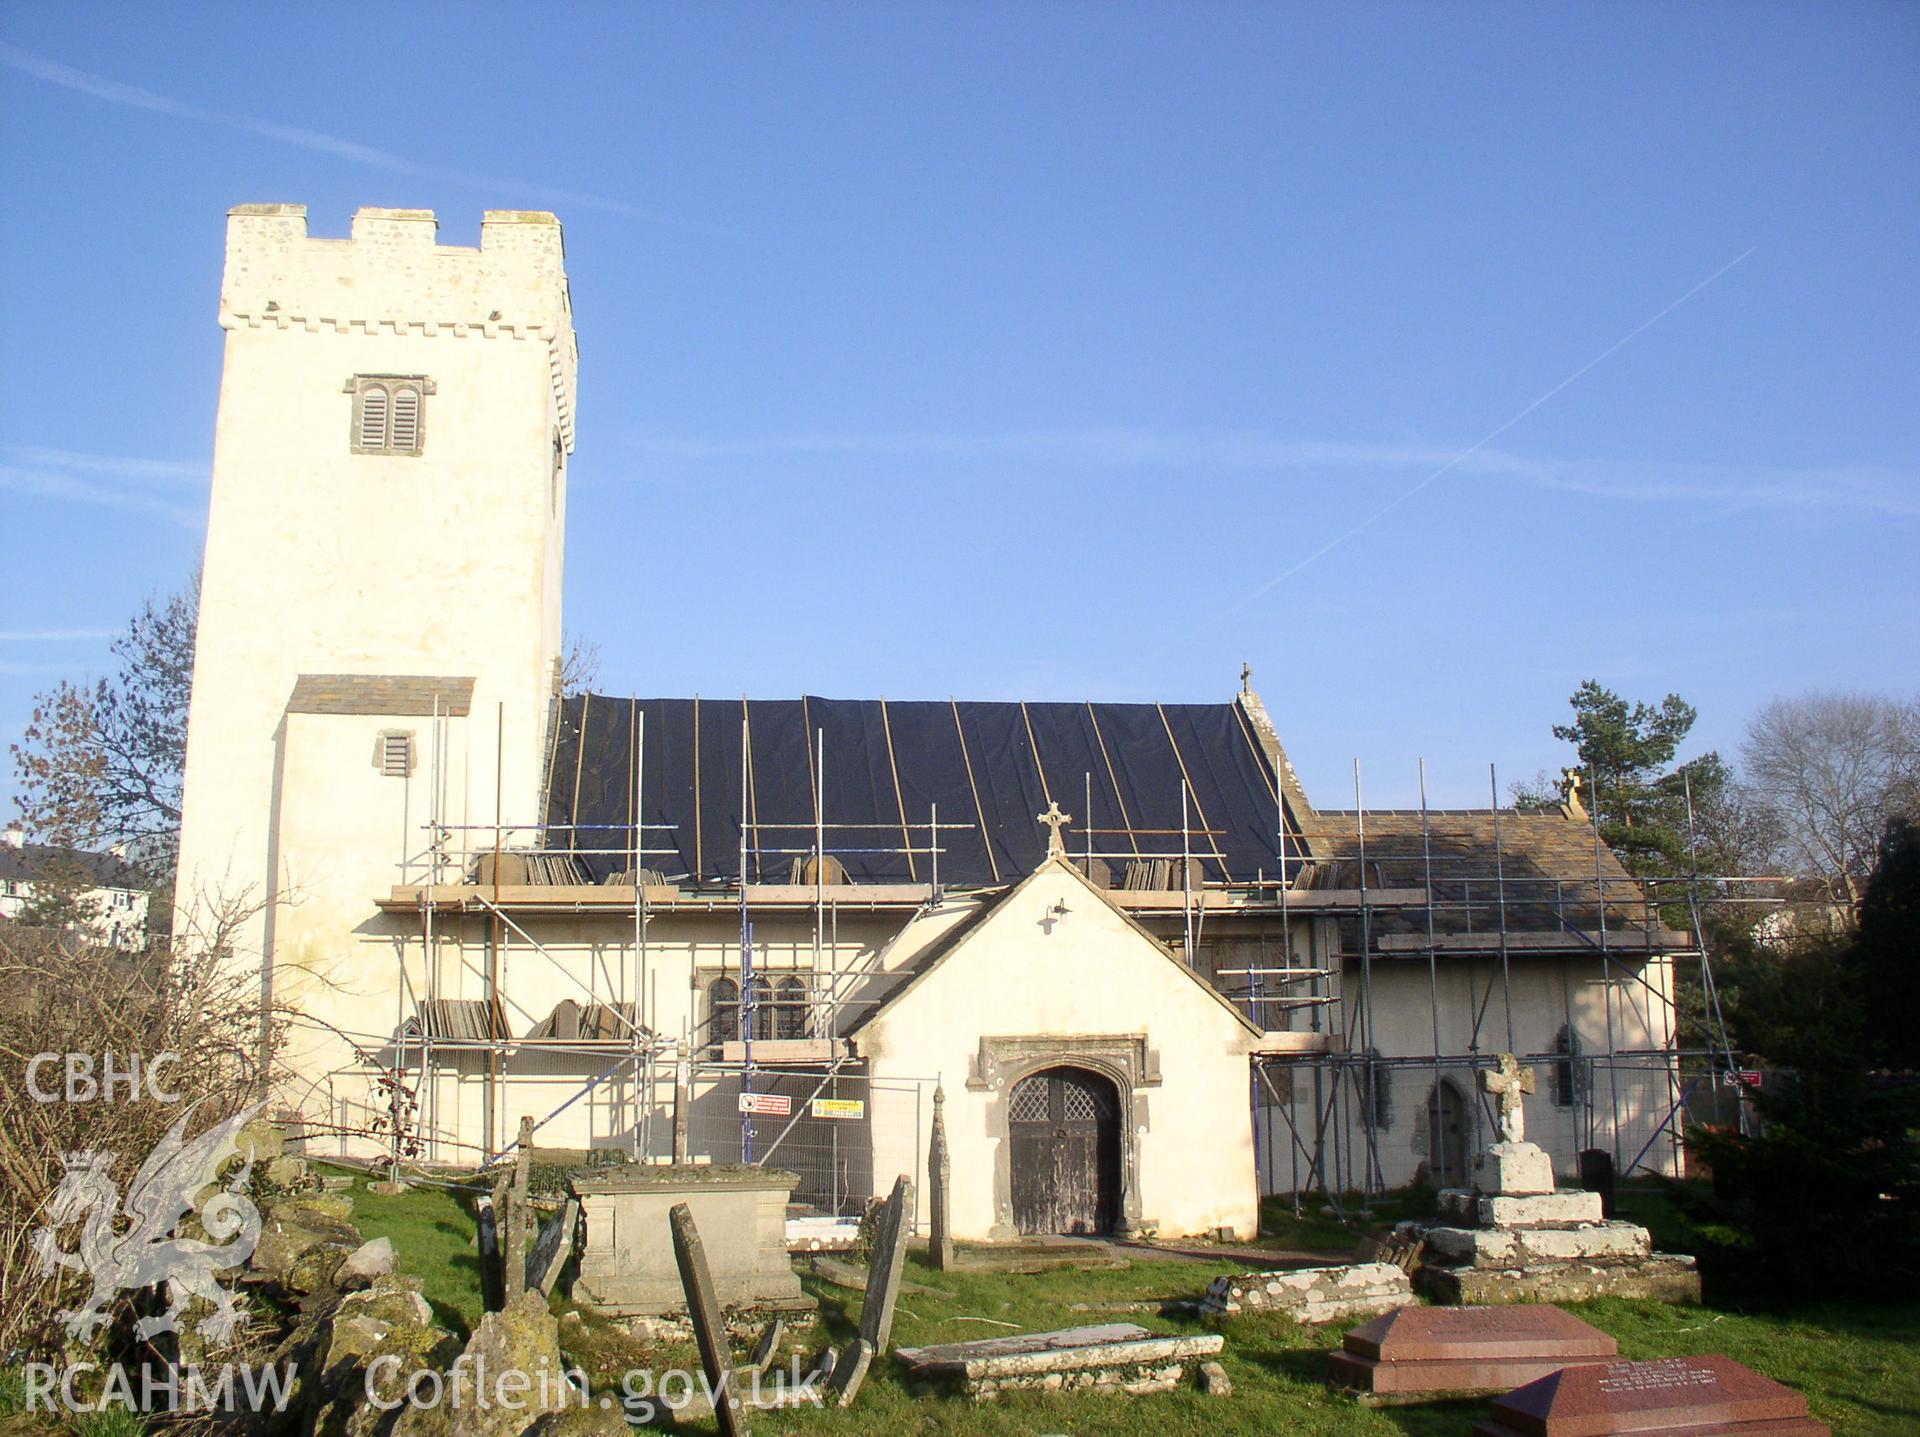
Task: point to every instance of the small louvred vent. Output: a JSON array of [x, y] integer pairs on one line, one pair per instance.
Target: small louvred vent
[[396, 755]]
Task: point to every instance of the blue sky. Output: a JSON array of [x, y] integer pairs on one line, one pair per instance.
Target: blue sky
[[1429, 358]]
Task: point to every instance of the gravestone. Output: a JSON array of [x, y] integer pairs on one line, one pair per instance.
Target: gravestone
[[492, 1284], [513, 1237], [709, 1327], [1114, 1357], [939, 1188], [883, 1272], [552, 1249], [849, 1371], [1666, 1398], [768, 1344], [1420, 1353], [1596, 1176], [1312, 1294]]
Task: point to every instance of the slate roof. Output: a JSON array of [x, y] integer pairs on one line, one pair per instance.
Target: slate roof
[[31, 862], [1546, 862], [381, 695]]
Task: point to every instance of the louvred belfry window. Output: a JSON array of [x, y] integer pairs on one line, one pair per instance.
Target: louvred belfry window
[[373, 417], [405, 436], [389, 413]]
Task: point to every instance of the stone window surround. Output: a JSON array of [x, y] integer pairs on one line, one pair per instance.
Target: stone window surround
[[357, 385], [384, 753], [1124, 1059], [778, 1000]]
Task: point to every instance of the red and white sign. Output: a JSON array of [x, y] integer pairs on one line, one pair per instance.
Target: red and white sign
[[767, 1105], [1743, 1078]]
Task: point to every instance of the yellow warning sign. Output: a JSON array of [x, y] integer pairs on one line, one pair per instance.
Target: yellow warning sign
[[839, 1108]]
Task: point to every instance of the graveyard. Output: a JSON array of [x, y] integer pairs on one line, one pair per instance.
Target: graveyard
[[1077, 720], [1857, 1366]]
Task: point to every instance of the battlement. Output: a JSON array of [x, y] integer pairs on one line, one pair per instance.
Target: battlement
[[392, 276], [393, 268]]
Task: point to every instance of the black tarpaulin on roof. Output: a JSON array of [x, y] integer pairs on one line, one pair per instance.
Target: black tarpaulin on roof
[[990, 767]]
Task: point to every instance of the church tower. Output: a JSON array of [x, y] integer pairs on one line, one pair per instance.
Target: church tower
[[380, 607]]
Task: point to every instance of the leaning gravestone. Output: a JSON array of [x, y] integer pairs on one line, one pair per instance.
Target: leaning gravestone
[[1421, 1353], [1673, 1397], [519, 1207], [552, 1249], [492, 1287], [883, 1275], [709, 1327], [849, 1371]]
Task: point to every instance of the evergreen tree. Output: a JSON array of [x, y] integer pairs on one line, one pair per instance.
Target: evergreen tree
[[1634, 787]]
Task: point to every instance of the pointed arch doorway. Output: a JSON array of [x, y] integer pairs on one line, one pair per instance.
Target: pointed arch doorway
[[1446, 1136], [1063, 1130]]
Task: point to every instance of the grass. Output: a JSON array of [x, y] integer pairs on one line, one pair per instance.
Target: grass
[[432, 1230], [1858, 1366], [1317, 1227]]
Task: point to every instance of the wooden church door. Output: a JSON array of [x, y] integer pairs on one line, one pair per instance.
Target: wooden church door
[[1446, 1136], [1063, 1127]]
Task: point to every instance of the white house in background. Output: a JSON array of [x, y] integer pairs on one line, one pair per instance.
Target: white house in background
[[770, 930], [115, 890]]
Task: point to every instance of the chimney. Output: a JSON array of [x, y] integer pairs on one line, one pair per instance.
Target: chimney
[[16, 836]]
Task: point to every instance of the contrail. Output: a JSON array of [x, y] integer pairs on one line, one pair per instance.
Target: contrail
[[1485, 439], [114, 92]]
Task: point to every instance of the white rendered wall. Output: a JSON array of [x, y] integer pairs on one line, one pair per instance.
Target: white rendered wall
[[1547, 994], [320, 560], [1088, 973]]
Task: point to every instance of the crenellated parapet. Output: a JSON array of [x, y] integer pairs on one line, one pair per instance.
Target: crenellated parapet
[[393, 277]]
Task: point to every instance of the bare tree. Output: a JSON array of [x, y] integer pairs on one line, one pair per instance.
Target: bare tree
[[1832, 769], [103, 762], [59, 995], [580, 667]]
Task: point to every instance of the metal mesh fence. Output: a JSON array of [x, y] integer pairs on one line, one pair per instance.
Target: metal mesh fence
[[1355, 1127], [846, 1135]]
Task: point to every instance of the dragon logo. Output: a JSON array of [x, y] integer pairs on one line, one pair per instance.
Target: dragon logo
[[143, 1252]]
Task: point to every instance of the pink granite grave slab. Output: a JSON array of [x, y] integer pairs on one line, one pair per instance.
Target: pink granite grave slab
[[1457, 1351], [1671, 1397]]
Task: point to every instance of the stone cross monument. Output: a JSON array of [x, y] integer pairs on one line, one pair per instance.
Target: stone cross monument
[[1509, 1083]]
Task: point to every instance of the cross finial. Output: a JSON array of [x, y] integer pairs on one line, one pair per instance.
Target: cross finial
[[1055, 820], [1246, 678]]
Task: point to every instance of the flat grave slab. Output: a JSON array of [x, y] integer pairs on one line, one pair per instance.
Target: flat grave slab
[[1671, 1397], [1661, 1277], [1420, 1353], [1313, 1294], [1111, 1357]]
